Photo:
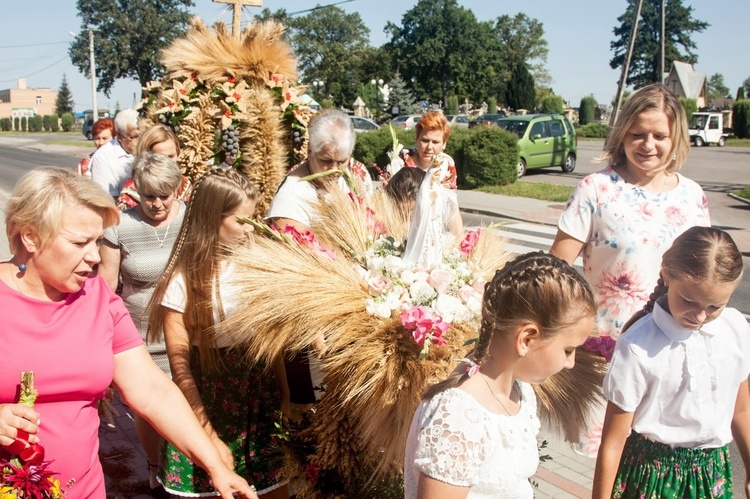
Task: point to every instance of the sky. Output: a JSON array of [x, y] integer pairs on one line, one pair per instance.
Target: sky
[[37, 35]]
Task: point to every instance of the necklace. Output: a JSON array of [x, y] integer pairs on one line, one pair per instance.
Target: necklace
[[14, 279], [625, 174], [495, 396], [166, 233]]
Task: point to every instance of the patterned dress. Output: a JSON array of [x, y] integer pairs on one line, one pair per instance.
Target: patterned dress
[[144, 251], [242, 402], [626, 230]]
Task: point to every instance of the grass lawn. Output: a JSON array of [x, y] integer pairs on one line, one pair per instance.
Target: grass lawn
[[535, 190], [744, 193], [734, 142]]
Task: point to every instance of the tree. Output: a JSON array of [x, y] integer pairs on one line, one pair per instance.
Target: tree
[[746, 85], [587, 110], [329, 44], [522, 40], [740, 93], [441, 49], [401, 98], [520, 93], [716, 88], [552, 104], [689, 105], [679, 27], [128, 36], [64, 103]]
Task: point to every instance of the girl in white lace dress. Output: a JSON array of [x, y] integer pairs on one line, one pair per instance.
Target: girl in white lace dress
[[474, 435]]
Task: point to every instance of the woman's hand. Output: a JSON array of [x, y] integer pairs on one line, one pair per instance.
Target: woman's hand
[[227, 482], [15, 417], [224, 452]]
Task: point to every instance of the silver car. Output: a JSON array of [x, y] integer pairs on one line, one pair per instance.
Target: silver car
[[407, 121]]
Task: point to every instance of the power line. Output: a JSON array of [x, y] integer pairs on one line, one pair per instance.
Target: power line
[[30, 45], [317, 7], [37, 72]]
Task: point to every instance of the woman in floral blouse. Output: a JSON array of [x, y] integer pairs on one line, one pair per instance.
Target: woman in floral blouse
[[624, 217]]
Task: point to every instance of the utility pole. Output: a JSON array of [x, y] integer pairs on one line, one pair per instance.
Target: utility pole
[[95, 109], [626, 65], [662, 56]]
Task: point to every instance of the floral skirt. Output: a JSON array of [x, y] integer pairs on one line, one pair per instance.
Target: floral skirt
[[242, 402], [655, 470]]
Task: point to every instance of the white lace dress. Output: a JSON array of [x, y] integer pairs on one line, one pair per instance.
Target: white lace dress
[[454, 439]]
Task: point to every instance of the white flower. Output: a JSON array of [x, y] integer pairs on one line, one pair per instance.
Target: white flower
[[377, 308], [451, 309], [421, 292]]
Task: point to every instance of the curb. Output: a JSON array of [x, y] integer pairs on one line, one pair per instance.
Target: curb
[[487, 213], [738, 198]]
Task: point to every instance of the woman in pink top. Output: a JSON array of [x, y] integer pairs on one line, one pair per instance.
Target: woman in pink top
[[67, 326]]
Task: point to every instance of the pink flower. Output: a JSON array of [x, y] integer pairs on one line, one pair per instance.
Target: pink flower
[[622, 290], [376, 284], [470, 240], [424, 326], [605, 345], [675, 216], [440, 279]]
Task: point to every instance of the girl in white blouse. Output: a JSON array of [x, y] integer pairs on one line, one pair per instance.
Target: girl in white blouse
[[677, 385], [474, 435]]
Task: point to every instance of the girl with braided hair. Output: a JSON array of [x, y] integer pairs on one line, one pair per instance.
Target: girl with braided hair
[[474, 435], [677, 385], [236, 400]]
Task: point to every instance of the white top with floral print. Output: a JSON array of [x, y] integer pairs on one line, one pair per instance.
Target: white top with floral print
[[626, 230]]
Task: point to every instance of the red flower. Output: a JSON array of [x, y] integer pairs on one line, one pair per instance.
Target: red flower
[[312, 471], [288, 96], [232, 79], [30, 480], [236, 95], [228, 113], [470, 240]]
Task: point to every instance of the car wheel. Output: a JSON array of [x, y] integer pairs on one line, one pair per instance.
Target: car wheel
[[89, 136], [521, 167], [722, 141], [570, 163], [699, 142]]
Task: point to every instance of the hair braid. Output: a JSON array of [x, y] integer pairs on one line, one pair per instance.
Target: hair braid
[[534, 287]]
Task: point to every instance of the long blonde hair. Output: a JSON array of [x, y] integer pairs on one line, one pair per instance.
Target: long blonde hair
[[196, 256]]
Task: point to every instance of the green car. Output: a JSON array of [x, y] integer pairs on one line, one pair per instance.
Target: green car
[[543, 140]]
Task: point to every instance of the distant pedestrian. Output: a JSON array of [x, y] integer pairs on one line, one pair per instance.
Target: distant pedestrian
[[475, 434], [624, 217], [677, 385], [110, 164], [103, 132]]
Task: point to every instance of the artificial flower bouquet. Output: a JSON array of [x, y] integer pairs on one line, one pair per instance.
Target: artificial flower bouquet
[[23, 471]]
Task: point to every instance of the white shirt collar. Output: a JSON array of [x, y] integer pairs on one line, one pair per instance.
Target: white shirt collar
[[673, 330]]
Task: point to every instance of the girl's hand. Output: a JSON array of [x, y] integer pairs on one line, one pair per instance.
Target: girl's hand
[[224, 452], [227, 482], [15, 417]]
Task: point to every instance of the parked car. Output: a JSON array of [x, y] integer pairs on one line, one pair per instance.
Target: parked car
[[407, 121], [486, 119], [543, 140], [87, 125], [363, 124], [458, 120]]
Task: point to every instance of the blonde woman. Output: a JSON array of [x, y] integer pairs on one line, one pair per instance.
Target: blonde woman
[[69, 328]]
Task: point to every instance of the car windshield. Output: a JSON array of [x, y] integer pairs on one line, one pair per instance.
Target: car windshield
[[399, 119], [698, 121], [516, 126]]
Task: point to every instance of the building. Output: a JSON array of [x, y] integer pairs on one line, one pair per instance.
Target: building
[[23, 101], [683, 81]]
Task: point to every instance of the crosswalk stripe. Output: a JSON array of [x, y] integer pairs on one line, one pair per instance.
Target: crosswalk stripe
[[542, 229], [516, 236]]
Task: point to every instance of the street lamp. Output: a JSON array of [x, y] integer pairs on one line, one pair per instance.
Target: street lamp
[[318, 84], [377, 84]]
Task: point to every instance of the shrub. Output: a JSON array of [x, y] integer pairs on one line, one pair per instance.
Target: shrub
[[490, 156], [552, 104], [46, 123], [455, 146], [689, 105], [67, 122], [24, 123], [741, 118], [492, 105], [586, 112], [35, 123], [5, 124], [596, 130], [16, 123], [452, 107], [372, 147], [54, 122]]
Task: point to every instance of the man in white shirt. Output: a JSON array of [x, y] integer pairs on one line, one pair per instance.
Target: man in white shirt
[[110, 164]]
